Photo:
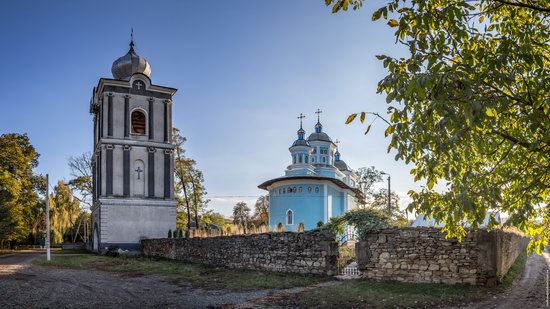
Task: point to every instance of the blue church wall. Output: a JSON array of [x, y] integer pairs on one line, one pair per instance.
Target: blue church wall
[[307, 205], [338, 206]]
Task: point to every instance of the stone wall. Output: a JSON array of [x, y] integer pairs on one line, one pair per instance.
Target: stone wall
[[308, 252], [425, 255]]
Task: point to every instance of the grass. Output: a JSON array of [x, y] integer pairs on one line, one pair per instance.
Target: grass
[[6, 251], [372, 294], [361, 293], [515, 270], [185, 273]]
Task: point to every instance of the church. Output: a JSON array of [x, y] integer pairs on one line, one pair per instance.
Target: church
[[132, 162], [317, 185]]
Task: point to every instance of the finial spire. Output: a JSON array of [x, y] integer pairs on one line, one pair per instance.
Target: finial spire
[[318, 126], [318, 112], [301, 117], [132, 39]]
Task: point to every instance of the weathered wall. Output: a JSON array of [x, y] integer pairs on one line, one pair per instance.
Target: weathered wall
[[425, 255], [309, 252]]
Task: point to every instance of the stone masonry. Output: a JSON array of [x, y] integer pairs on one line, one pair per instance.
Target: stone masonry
[[313, 252], [425, 255]]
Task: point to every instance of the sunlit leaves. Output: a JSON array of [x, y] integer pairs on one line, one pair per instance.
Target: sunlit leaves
[[393, 23], [470, 108], [351, 118]]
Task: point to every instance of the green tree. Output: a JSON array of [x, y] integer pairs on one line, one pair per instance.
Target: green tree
[[261, 210], [380, 202], [64, 212], [19, 202], [81, 173], [190, 192], [470, 108], [367, 177], [241, 215]]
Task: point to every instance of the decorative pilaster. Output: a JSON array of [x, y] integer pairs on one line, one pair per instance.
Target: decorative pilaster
[[168, 174], [109, 172], [151, 171], [167, 121], [126, 116], [151, 118], [110, 114], [126, 170]]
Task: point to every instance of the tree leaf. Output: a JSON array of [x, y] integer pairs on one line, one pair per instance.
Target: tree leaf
[[389, 130], [491, 112], [351, 118], [393, 23], [363, 115], [368, 129]]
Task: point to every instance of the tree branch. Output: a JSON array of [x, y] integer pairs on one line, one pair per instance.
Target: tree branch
[[525, 5]]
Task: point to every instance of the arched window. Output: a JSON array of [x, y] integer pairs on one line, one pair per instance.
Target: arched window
[[307, 157], [289, 217], [138, 122]]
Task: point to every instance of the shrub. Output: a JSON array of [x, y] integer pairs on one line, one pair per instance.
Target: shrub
[[301, 227], [169, 233], [320, 224], [364, 221], [280, 227]]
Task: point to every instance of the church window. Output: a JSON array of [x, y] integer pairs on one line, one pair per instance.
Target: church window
[[289, 217], [316, 189], [300, 189], [307, 159], [309, 189], [294, 189], [300, 159], [279, 190], [324, 159], [138, 122], [284, 191], [293, 159]]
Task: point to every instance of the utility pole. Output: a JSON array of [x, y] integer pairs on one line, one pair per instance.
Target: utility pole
[[389, 194], [48, 257], [389, 191]]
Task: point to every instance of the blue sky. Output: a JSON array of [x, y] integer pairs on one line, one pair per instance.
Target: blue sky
[[244, 69]]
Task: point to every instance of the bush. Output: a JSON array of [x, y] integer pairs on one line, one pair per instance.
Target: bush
[[169, 233], [364, 221], [280, 227], [320, 224], [301, 227]]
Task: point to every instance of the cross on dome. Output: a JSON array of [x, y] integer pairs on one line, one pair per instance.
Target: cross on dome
[[318, 126]]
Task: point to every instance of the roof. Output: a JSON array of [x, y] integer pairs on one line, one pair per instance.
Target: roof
[[341, 165], [301, 142], [358, 194], [319, 137]]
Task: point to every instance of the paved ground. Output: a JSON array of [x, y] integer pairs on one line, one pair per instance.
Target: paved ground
[[23, 285]]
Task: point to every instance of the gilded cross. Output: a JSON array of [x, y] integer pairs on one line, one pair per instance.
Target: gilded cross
[[139, 84], [139, 170]]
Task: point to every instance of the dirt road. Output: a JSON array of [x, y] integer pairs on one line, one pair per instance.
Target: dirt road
[[23, 285], [529, 292]]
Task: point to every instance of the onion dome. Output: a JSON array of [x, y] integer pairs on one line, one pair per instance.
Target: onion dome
[[341, 165], [130, 64], [301, 133], [322, 136]]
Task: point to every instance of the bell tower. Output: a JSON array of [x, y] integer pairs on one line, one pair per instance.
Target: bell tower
[[133, 185]]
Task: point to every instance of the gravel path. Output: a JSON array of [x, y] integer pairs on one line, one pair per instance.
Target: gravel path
[[23, 285]]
